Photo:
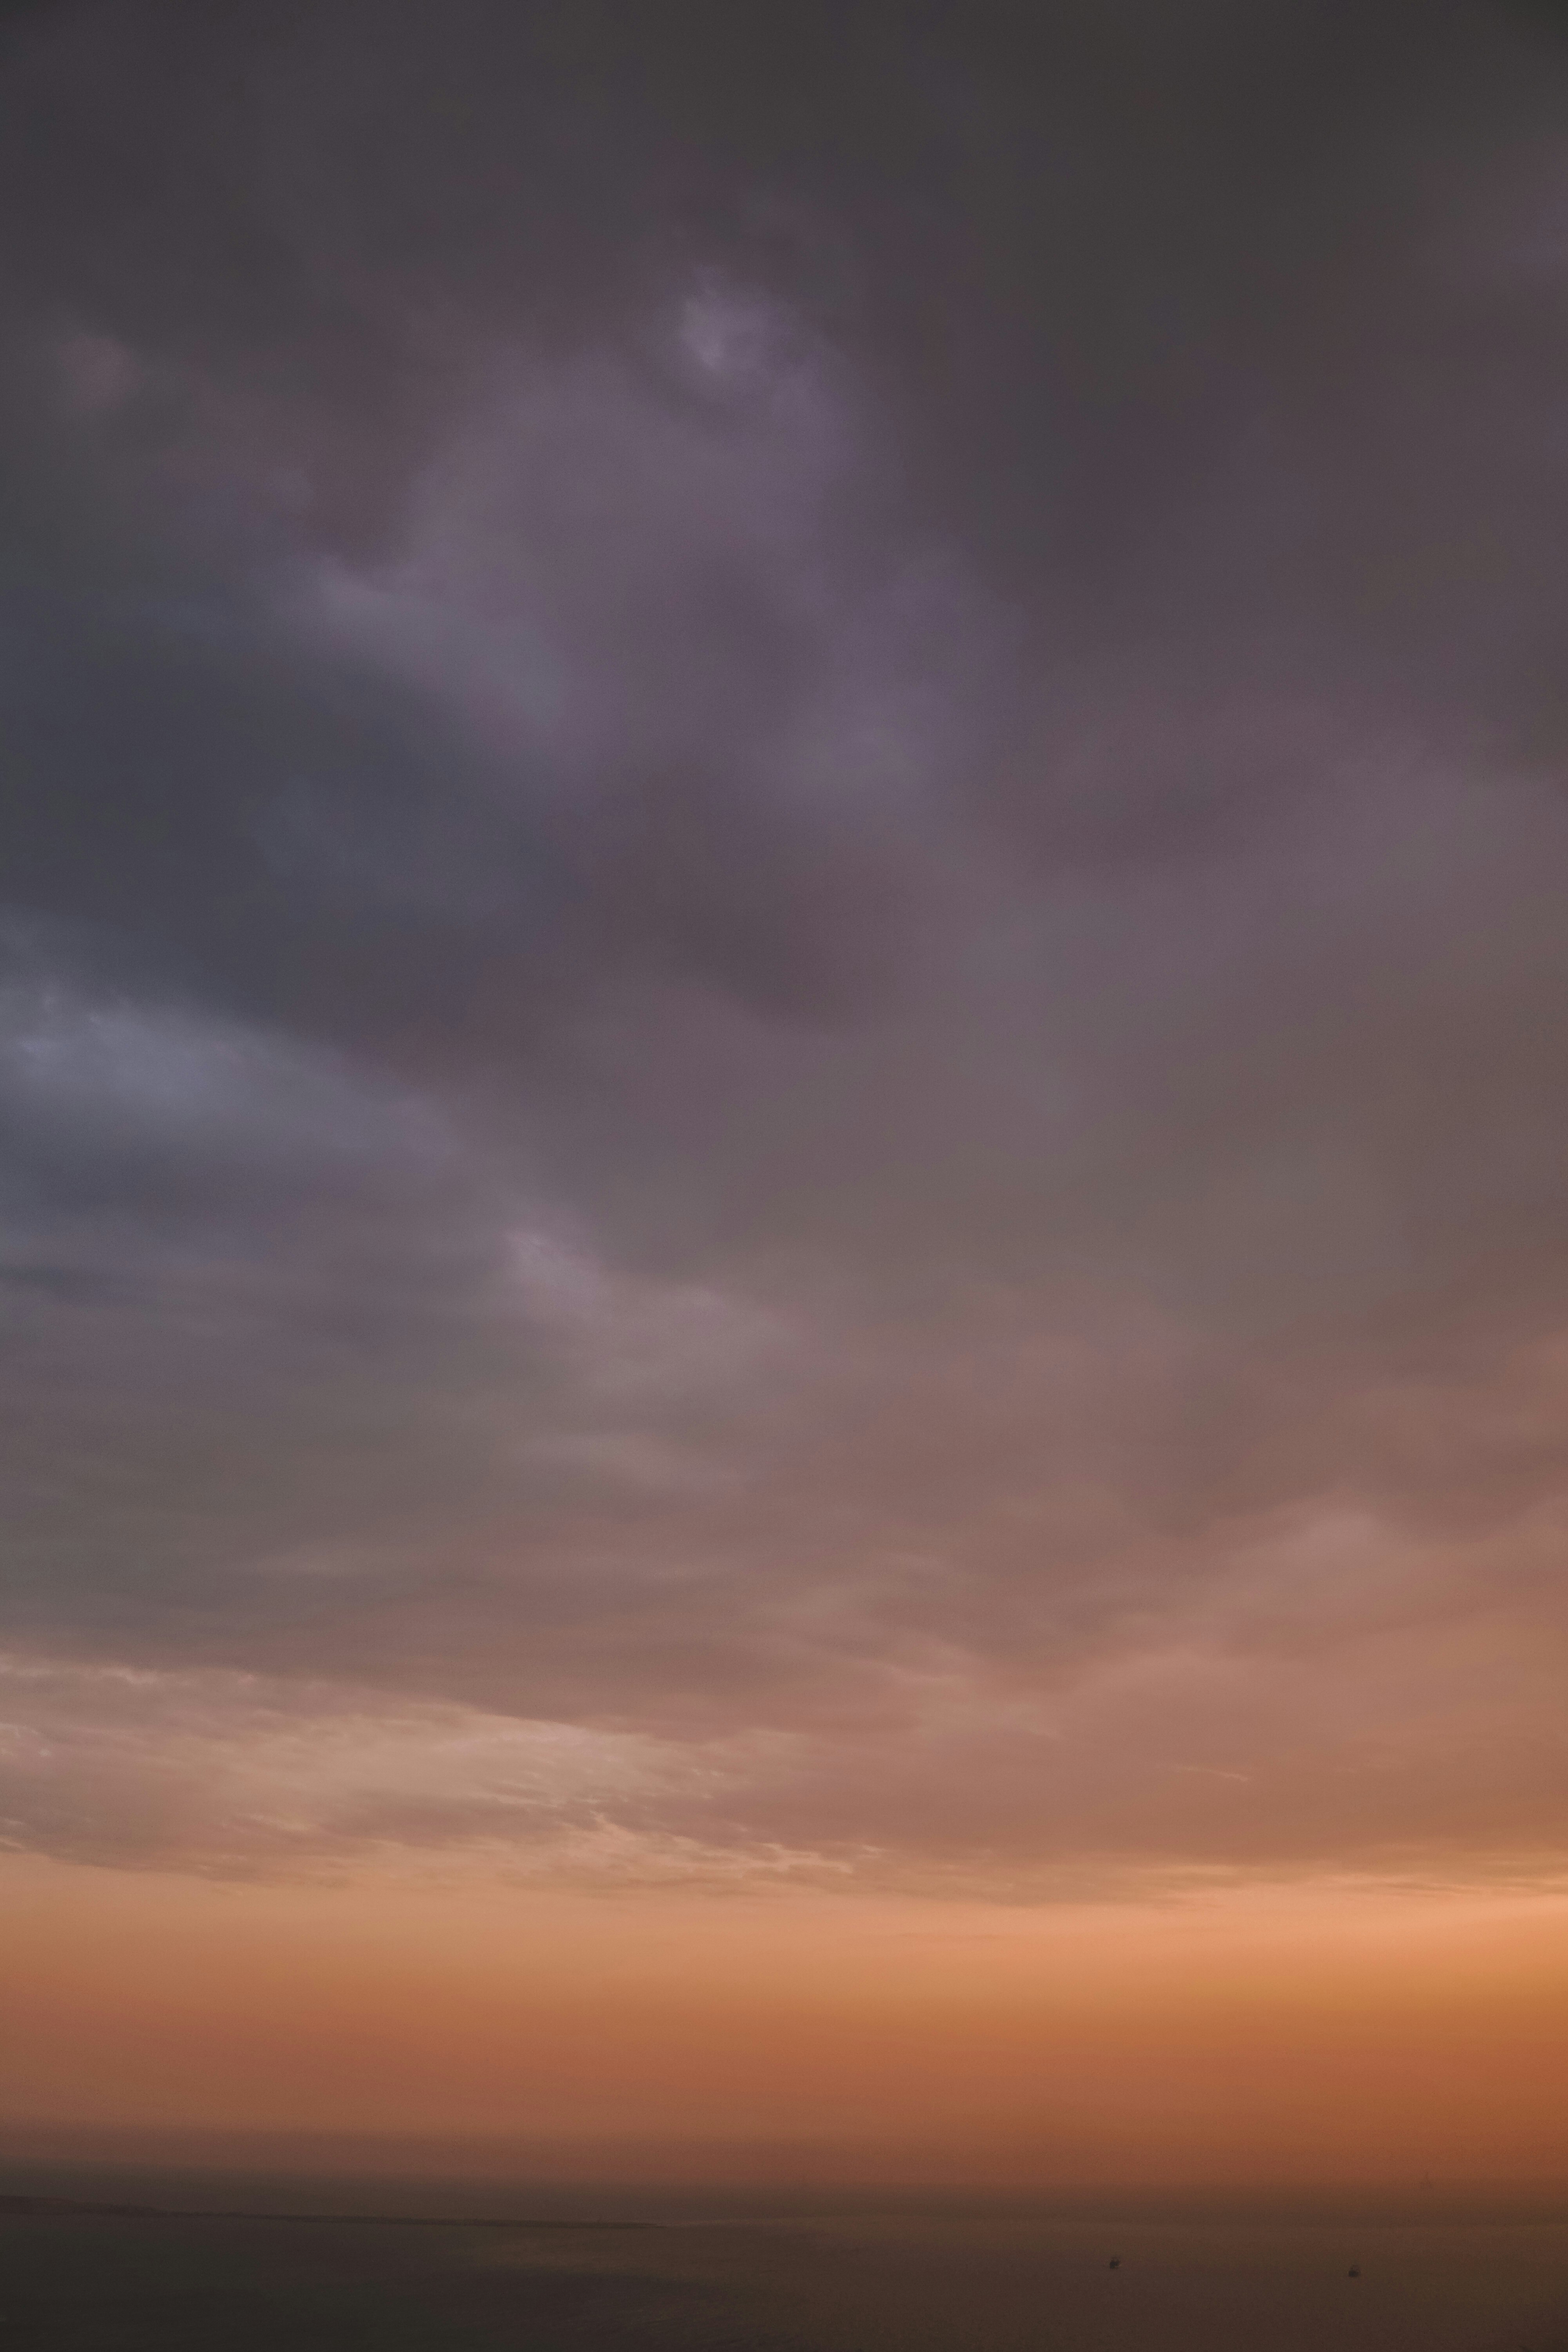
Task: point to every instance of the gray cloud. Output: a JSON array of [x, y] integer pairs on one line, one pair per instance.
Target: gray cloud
[[782, 978]]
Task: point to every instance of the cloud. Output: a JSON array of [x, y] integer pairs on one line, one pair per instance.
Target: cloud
[[783, 976]]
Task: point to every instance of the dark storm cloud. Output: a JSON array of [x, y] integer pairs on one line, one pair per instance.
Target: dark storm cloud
[[782, 851]]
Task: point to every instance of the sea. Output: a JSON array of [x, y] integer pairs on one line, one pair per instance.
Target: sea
[[236, 2263]]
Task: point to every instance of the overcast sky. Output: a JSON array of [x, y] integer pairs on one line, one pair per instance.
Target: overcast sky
[[783, 978]]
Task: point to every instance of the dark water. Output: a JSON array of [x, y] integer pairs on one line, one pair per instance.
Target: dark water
[[841, 2279]]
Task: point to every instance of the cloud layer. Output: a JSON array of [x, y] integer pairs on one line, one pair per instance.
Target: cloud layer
[[782, 987]]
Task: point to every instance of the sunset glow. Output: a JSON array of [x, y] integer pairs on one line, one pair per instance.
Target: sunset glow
[[783, 1081]]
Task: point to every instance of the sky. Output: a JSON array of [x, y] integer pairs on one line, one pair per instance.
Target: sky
[[783, 1009]]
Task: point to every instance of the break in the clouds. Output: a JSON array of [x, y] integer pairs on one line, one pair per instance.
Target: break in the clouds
[[782, 1027]]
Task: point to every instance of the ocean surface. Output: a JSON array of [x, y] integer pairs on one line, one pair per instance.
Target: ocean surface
[[602, 2271]]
